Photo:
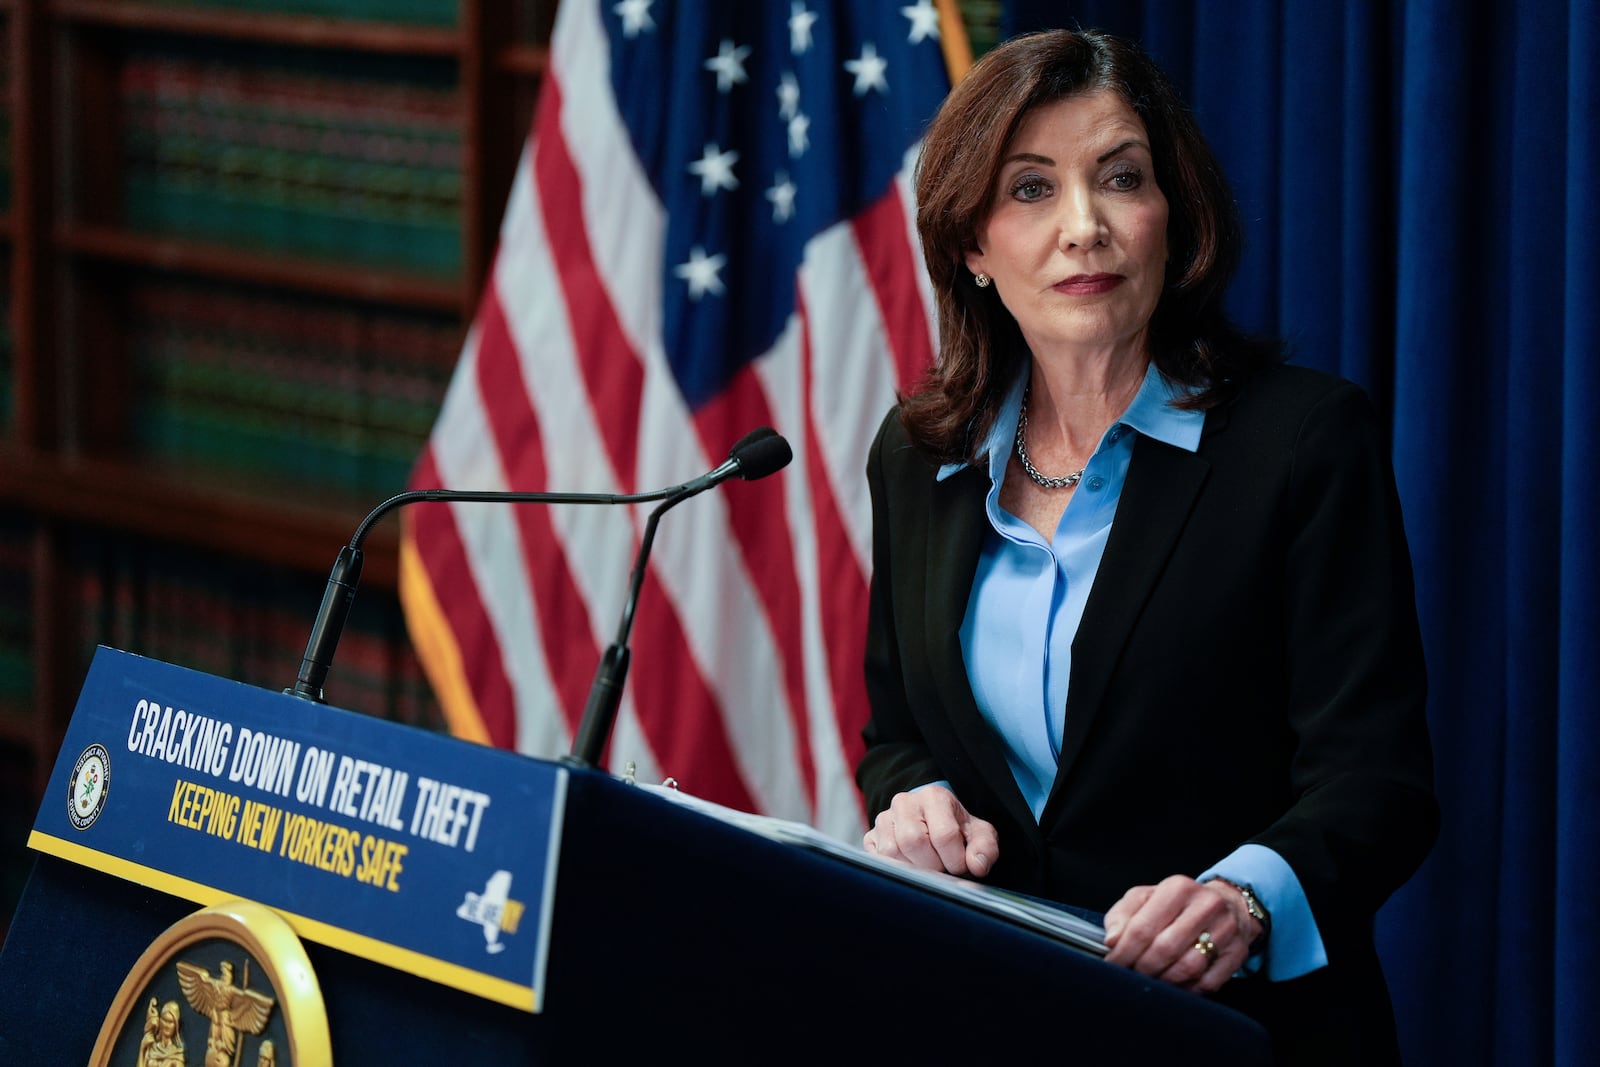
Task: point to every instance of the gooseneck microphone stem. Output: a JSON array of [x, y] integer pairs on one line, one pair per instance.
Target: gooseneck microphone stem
[[756, 455], [346, 574], [486, 496], [605, 693]]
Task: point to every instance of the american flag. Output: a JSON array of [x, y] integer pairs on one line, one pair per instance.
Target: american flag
[[711, 229]]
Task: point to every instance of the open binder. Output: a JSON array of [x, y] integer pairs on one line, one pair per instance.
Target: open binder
[[1040, 916]]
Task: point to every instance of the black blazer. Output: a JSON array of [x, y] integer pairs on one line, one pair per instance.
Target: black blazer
[[1248, 668]]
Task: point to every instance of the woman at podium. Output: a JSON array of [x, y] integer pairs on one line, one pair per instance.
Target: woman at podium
[[1142, 635]]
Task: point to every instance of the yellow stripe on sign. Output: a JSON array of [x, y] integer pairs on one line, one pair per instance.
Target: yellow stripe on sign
[[499, 990]]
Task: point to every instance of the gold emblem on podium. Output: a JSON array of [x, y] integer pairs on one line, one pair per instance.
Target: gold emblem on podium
[[229, 986]]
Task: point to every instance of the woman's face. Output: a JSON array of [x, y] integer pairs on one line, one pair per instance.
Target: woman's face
[[1076, 237]]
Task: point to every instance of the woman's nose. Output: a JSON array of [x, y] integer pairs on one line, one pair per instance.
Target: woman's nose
[[1078, 221]]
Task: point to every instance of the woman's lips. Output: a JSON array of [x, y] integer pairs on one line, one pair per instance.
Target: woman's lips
[[1089, 284]]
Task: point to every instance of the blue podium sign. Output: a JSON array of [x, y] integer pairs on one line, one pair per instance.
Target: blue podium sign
[[416, 850]]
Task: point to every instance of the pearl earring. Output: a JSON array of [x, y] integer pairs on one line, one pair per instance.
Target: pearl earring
[[982, 280]]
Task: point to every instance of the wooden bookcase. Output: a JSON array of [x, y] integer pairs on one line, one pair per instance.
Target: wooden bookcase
[[85, 285]]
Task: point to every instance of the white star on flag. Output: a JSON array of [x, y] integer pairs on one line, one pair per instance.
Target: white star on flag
[[701, 272], [782, 196], [800, 21], [788, 96], [729, 65], [868, 70], [924, 21], [715, 169], [798, 139], [635, 16]]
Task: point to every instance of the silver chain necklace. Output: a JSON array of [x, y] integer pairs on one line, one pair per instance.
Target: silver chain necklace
[[1066, 481]]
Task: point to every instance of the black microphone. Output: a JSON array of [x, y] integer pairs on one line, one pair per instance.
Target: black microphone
[[755, 455], [753, 451]]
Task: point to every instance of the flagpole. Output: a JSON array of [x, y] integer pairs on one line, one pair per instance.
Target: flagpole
[[953, 37]]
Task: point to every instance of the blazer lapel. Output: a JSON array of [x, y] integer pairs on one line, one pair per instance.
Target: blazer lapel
[[957, 523], [1156, 500]]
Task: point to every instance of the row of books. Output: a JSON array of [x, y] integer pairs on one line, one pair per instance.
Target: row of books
[[16, 616], [5, 157], [7, 347], [330, 394], [259, 149], [246, 622], [6, 149], [232, 618], [420, 12]]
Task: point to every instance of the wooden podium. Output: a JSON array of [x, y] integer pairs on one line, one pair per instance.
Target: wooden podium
[[657, 933]]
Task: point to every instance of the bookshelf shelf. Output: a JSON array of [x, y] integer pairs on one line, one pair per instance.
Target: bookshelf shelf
[[523, 60], [180, 255], [304, 31], [199, 509]]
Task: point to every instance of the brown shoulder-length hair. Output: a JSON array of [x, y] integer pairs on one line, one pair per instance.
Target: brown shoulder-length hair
[[981, 349]]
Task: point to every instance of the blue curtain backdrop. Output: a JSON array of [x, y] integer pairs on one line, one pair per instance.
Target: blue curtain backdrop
[[1419, 182]]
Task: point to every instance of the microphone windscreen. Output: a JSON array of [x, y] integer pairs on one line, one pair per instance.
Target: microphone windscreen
[[767, 454], [757, 434]]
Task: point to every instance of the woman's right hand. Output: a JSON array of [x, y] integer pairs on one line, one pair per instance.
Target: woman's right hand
[[930, 829]]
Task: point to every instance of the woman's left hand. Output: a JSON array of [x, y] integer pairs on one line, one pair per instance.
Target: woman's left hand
[[1164, 931]]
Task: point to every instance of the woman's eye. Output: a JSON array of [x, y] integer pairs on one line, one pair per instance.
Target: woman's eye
[[1030, 189], [1127, 180]]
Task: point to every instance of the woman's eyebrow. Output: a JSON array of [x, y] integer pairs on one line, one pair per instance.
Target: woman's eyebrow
[[1034, 157], [1124, 146], [1028, 157]]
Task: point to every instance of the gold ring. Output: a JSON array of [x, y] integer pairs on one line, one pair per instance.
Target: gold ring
[[1204, 945]]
